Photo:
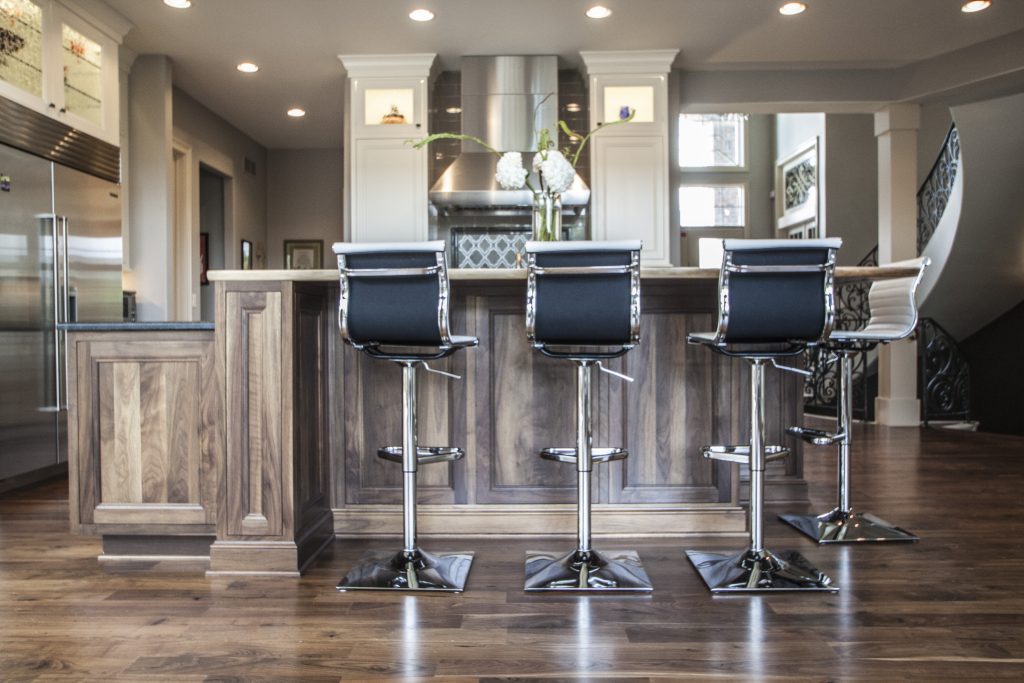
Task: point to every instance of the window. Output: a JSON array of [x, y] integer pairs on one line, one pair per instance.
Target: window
[[711, 141], [712, 206]]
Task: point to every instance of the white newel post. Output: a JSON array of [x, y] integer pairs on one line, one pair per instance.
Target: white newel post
[[896, 130], [629, 162], [385, 178]]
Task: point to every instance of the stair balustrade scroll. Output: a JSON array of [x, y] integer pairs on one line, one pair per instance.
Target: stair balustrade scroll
[[945, 375], [935, 191]]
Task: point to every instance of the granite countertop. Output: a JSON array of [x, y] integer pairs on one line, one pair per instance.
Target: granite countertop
[[135, 327]]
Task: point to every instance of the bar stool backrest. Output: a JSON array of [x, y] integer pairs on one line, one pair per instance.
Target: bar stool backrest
[[583, 293], [892, 304], [393, 294], [776, 291]]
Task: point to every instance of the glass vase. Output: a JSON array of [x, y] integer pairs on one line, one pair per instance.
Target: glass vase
[[547, 217]]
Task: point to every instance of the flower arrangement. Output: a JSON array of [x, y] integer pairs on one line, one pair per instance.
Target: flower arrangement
[[556, 170]]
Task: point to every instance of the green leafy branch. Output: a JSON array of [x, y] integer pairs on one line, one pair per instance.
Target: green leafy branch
[[584, 139]]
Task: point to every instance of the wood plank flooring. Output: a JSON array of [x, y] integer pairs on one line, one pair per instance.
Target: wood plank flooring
[[948, 608]]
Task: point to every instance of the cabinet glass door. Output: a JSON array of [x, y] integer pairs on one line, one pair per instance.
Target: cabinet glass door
[[83, 69], [21, 45]]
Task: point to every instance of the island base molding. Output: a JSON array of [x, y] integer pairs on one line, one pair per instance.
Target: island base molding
[[619, 521], [270, 557]]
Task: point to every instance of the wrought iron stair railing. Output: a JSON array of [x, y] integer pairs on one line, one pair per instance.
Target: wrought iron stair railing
[[934, 193], [945, 375]]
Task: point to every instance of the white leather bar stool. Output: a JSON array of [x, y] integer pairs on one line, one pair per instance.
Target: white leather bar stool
[[394, 307], [893, 317]]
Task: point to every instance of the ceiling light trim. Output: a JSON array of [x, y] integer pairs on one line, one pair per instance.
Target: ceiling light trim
[[791, 9]]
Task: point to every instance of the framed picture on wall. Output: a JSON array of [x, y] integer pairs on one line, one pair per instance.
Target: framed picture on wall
[[204, 257], [303, 254], [796, 186], [246, 255]]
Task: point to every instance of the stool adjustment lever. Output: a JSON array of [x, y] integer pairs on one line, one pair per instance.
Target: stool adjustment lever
[[790, 368], [614, 373], [440, 372]]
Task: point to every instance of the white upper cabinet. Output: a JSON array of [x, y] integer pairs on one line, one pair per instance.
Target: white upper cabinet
[[385, 177], [57, 59]]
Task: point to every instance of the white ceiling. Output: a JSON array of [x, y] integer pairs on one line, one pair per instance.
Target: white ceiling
[[296, 42]]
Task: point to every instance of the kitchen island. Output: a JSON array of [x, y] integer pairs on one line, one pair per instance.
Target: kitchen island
[[275, 456]]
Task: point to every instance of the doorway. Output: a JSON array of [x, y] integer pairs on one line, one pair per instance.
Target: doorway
[[211, 224]]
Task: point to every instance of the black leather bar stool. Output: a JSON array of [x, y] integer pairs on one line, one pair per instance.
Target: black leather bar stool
[[775, 299], [583, 305], [893, 317], [394, 306]]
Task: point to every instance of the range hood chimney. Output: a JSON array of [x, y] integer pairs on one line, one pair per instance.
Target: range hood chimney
[[505, 101]]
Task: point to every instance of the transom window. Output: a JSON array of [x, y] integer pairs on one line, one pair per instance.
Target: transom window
[[710, 141]]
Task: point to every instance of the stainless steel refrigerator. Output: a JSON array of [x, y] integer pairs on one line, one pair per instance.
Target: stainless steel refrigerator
[[60, 261]]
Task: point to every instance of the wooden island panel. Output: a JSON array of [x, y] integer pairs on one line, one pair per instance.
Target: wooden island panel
[[145, 443]]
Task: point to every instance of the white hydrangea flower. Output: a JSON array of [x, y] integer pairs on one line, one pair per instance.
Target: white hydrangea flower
[[510, 173], [558, 173]]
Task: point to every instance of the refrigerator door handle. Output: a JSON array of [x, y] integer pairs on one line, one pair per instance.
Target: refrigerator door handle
[[58, 377], [66, 298]]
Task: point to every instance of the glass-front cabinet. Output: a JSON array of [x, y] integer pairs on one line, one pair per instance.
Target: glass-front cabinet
[[55, 62]]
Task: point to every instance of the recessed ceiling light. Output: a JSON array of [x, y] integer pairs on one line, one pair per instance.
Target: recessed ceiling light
[[453, 110], [247, 68], [295, 112], [975, 5], [178, 4], [421, 15], [599, 12], [791, 8]]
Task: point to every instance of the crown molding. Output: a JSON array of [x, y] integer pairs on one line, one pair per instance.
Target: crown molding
[[100, 15], [360, 66], [629, 61]]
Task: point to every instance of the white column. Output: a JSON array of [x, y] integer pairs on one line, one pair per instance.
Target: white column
[[896, 129]]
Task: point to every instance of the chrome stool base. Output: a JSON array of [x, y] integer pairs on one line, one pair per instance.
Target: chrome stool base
[[589, 570], [758, 572], [416, 571], [841, 526]]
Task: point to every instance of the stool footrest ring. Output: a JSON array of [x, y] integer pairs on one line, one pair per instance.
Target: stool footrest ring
[[424, 454], [818, 437], [741, 454], [596, 454]]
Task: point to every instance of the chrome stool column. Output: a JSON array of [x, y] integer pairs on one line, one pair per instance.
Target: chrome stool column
[[394, 306], [893, 317], [583, 305], [775, 299]]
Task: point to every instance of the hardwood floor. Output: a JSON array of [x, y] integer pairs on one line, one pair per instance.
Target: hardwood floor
[[949, 607]]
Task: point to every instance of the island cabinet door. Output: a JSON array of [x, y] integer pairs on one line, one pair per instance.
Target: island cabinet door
[[144, 432]]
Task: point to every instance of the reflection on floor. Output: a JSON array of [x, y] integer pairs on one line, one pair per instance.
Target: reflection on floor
[[948, 607]]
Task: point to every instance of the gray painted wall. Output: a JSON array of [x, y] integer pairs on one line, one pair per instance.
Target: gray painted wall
[[219, 145], [304, 200], [851, 193], [151, 195], [935, 122]]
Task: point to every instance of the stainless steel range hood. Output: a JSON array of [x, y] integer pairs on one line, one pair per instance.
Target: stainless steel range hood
[[505, 101]]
